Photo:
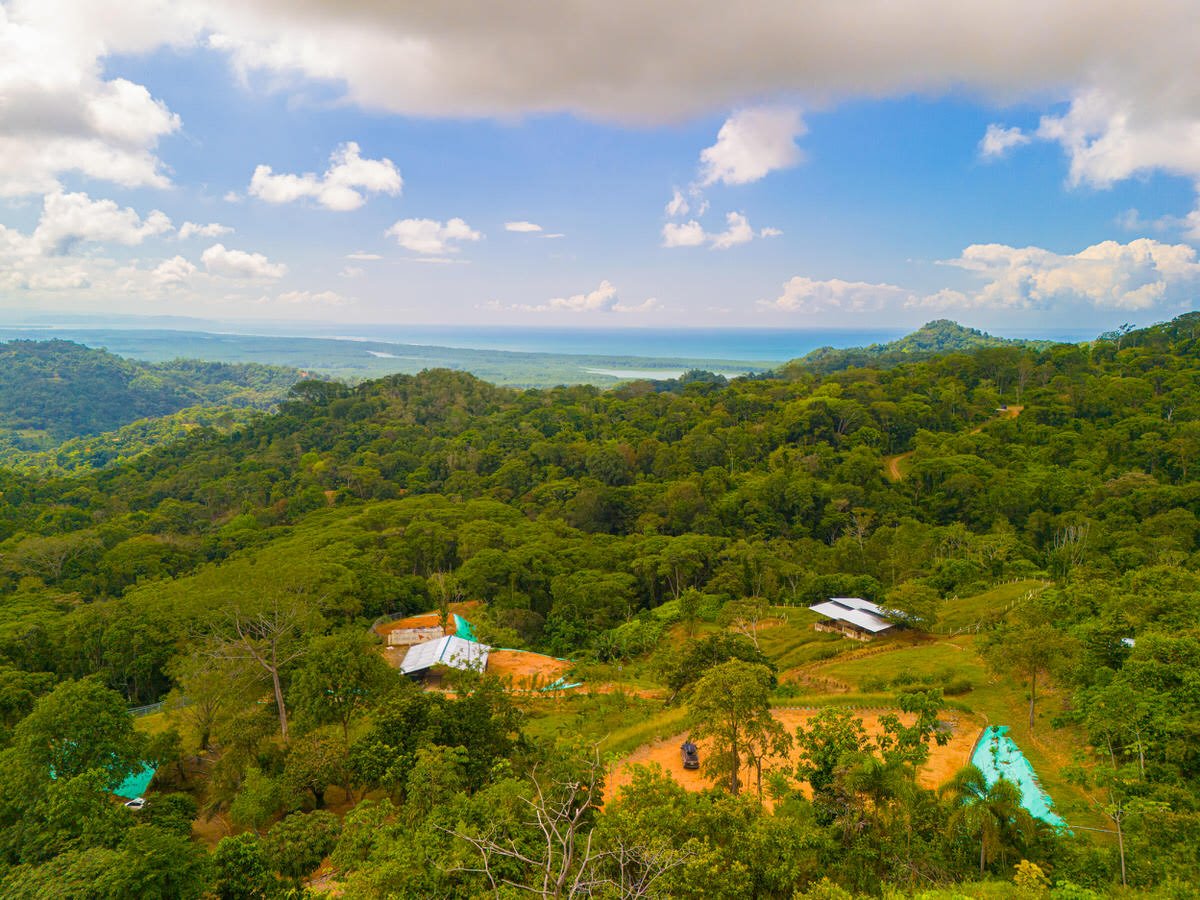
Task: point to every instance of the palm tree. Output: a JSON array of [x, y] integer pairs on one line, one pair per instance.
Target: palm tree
[[993, 813], [876, 782], [886, 794]]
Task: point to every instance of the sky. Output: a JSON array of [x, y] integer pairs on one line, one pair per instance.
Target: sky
[[1012, 165]]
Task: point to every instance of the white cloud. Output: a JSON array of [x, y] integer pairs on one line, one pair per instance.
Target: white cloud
[[677, 206], [998, 140], [600, 61], [352, 272], [174, 272], [683, 234], [1131, 220], [437, 260], [219, 260], [431, 237], [1108, 136], [751, 144], [552, 237], [807, 295], [1142, 274], [194, 229], [341, 188], [60, 114], [692, 234], [363, 255], [650, 303], [1191, 224], [603, 299], [523, 227], [737, 231], [68, 218]]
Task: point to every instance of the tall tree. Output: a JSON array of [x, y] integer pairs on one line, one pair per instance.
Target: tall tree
[[209, 690], [341, 675], [1027, 651], [832, 735], [272, 633], [730, 705], [78, 727]]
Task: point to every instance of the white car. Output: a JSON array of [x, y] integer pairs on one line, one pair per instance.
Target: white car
[[136, 803]]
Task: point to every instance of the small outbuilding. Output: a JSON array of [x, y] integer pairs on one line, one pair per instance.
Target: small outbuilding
[[408, 637], [452, 651], [853, 617]]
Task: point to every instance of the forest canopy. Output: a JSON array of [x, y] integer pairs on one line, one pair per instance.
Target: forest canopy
[[1028, 511]]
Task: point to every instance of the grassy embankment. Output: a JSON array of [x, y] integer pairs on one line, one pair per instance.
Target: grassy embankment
[[819, 669]]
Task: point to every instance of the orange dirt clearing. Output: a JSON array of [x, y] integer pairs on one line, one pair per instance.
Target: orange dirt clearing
[[942, 764], [427, 620], [525, 671]]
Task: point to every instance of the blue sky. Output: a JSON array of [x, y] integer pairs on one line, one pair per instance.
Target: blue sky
[[1006, 166]]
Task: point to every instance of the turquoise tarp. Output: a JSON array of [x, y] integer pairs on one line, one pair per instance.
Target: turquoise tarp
[[463, 629], [998, 756], [135, 785]]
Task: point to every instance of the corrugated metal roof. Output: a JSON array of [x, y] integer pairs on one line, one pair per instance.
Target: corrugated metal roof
[[861, 613], [858, 603], [448, 651]]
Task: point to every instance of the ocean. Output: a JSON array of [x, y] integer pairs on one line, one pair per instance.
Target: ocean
[[760, 345]]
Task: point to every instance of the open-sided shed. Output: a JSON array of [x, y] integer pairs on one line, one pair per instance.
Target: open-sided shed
[[451, 650], [854, 617]]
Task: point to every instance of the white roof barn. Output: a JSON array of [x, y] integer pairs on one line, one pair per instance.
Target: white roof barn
[[853, 617], [456, 652]]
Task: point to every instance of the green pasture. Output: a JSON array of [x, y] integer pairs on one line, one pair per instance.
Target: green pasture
[[963, 612]]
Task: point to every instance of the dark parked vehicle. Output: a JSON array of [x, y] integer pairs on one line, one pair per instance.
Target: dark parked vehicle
[[691, 757]]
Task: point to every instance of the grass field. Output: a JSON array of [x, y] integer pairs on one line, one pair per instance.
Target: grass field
[[993, 699], [820, 669], [616, 721], [793, 642], [933, 663], [156, 723], [967, 611]]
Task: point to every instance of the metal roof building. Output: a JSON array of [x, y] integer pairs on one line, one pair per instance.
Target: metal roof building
[[452, 651], [853, 617]]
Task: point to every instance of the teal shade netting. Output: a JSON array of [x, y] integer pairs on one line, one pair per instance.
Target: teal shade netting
[[998, 756], [135, 785], [463, 629]]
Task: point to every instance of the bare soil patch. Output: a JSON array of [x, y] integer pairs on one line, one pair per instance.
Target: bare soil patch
[[891, 466], [427, 620], [942, 764], [524, 671]]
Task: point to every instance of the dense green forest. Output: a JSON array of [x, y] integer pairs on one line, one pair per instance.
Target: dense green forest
[[934, 338], [52, 391], [1029, 511]]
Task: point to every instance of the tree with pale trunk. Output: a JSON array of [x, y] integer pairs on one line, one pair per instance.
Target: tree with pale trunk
[[271, 632]]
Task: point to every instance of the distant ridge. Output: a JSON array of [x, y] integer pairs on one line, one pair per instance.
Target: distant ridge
[[52, 391], [931, 339]]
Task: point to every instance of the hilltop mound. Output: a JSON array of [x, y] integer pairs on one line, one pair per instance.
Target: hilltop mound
[[931, 339]]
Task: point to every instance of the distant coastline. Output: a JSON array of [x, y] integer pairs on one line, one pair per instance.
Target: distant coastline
[[764, 345]]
